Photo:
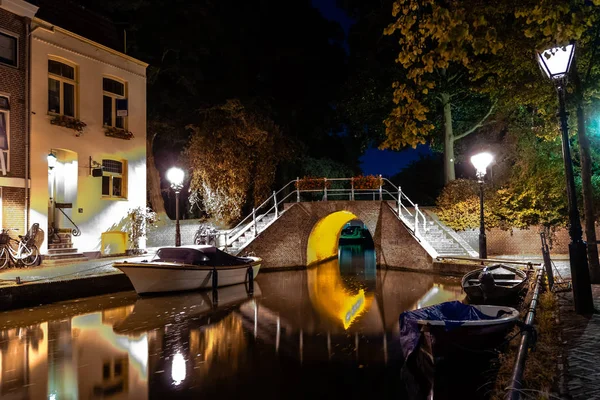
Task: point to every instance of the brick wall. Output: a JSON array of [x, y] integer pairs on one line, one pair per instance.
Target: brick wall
[[520, 241], [12, 82], [12, 208]]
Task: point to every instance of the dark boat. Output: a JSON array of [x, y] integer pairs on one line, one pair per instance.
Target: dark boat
[[352, 235], [495, 283], [453, 328]]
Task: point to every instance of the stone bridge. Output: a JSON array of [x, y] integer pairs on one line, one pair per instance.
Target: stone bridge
[[308, 232]]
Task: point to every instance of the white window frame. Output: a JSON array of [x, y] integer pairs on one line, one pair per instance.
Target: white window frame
[[114, 98], [6, 153], [16, 37], [62, 81], [111, 175]]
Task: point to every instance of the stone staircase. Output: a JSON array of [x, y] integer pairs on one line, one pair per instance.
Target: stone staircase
[[243, 240], [443, 239], [62, 252]]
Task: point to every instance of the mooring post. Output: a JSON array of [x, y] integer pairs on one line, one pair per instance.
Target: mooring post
[[215, 279], [275, 202], [325, 189], [380, 188], [297, 190], [250, 274], [254, 220]]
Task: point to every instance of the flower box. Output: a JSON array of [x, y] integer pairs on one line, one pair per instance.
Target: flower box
[[69, 122], [118, 133]]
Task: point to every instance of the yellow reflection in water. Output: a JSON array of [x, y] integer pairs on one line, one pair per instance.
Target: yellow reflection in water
[[438, 293], [324, 237], [330, 297], [221, 343]]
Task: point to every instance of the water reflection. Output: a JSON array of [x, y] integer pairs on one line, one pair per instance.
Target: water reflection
[[335, 326]]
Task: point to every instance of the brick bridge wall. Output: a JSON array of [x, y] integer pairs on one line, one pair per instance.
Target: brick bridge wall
[[284, 243]]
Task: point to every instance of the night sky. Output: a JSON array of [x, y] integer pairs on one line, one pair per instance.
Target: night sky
[[374, 161]]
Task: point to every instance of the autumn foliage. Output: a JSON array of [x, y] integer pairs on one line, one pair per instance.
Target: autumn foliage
[[232, 156]]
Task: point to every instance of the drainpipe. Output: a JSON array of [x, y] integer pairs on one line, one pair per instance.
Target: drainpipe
[[27, 117]]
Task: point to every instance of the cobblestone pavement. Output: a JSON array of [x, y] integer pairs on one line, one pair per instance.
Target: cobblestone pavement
[[581, 341]]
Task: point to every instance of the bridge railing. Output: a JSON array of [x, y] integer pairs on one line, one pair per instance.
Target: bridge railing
[[331, 189]]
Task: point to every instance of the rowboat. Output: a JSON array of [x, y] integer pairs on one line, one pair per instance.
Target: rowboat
[[495, 283], [189, 268], [452, 328]]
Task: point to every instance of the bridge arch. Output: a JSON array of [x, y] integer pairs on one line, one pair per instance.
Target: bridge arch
[[323, 240]]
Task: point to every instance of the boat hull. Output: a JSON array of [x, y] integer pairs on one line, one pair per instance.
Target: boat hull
[[147, 278], [441, 343]]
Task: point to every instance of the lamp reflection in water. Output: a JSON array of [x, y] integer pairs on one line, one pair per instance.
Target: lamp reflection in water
[[178, 372]]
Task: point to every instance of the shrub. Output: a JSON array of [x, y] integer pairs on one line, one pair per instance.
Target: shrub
[[140, 219]]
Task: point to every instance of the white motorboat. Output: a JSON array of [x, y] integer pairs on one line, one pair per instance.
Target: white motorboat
[[189, 268]]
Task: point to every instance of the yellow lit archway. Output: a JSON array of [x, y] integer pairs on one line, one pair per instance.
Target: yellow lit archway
[[325, 235]]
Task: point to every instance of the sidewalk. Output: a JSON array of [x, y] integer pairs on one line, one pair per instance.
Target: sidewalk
[[48, 284], [580, 339]]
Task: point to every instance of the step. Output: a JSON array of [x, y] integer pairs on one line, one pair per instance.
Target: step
[[66, 250], [61, 245], [63, 256]]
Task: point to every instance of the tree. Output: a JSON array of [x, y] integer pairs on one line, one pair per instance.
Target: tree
[[548, 23], [438, 41], [232, 156]]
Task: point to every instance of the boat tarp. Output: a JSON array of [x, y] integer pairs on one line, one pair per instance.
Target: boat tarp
[[453, 313]]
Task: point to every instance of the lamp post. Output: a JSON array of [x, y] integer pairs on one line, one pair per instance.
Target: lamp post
[[175, 176], [480, 162], [555, 63]]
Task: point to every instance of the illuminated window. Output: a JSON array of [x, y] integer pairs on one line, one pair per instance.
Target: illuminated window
[[62, 93], [114, 103], [9, 46], [4, 134], [114, 179]]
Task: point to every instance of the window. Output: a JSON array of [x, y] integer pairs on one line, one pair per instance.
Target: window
[[8, 49], [4, 133], [61, 88], [114, 103], [114, 178]]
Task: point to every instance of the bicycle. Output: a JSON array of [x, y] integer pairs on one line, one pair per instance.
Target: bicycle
[[19, 252]]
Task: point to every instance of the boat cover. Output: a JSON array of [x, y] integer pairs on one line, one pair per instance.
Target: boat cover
[[453, 313]]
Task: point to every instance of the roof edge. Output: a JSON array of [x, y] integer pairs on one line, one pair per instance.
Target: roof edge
[[56, 28], [19, 7]]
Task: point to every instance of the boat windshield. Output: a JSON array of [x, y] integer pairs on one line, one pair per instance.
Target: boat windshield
[[181, 255]]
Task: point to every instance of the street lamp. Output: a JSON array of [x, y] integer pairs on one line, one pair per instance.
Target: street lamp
[[555, 63], [175, 176], [480, 162]]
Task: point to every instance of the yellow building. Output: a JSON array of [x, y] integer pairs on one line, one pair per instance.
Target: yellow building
[[88, 112]]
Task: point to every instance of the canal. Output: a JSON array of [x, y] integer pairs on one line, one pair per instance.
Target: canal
[[326, 332]]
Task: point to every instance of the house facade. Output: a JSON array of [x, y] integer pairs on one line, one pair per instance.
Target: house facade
[[15, 17], [88, 140]]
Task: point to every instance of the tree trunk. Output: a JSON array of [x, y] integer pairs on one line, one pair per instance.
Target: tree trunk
[[586, 182], [153, 179], [449, 174]]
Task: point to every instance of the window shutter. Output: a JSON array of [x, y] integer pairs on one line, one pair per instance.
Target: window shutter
[[121, 105]]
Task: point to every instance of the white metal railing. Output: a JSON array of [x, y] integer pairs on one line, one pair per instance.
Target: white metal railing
[[339, 189]]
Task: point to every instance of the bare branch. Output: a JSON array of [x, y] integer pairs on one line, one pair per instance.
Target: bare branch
[[478, 124]]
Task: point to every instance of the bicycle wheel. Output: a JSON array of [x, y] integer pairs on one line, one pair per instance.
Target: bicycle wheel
[[4, 256], [32, 255]]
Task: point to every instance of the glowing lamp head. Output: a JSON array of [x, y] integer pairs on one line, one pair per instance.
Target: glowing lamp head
[[178, 369], [555, 62], [51, 160], [480, 162], [175, 176]]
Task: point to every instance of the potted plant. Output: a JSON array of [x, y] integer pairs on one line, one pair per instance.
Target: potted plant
[[140, 219]]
